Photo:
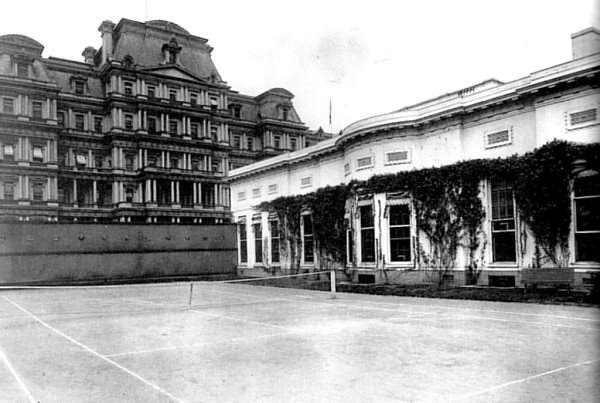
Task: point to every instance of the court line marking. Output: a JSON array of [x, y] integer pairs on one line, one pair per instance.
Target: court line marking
[[493, 388], [92, 351], [182, 346], [17, 377], [357, 304]]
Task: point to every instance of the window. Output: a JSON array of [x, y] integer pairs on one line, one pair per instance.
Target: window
[[36, 109], [273, 188], [498, 138], [173, 126], [214, 102], [8, 105], [250, 144], [258, 243], [587, 218], [503, 224], [129, 162], [214, 133], [399, 226], [9, 190], [174, 161], [151, 92], [173, 95], [307, 239], [367, 234], [306, 181], [364, 162], [285, 114], [97, 124], [172, 57], [22, 70], [397, 157], [194, 129], [277, 142], [256, 192], [347, 169], [9, 152], [237, 112], [294, 144], [578, 118], [237, 142], [79, 87], [128, 88], [243, 242], [128, 121], [38, 154], [194, 99], [98, 161], [152, 125], [79, 121], [60, 116], [38, 192], [274, 227], [129, 195], [81, 160], [241, 196]]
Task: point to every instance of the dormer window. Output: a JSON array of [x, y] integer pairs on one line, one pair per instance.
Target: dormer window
[[235, 110], [171, 52], [79, 86], [22, 70]]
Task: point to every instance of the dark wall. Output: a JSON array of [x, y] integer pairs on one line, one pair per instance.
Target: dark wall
[[43, 253]]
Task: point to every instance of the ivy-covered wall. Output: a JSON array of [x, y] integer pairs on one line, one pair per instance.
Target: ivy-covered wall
[[448, 208]]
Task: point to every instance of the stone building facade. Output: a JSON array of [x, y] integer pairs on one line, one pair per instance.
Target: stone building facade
[[488, 121], [143, 130]]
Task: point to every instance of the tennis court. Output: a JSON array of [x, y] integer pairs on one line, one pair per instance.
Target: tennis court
[[241, 343]]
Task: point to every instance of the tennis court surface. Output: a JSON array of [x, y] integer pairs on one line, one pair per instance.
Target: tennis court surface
[[243, 343]]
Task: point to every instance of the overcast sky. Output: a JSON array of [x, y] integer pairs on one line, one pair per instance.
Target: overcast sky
[[367, 57]]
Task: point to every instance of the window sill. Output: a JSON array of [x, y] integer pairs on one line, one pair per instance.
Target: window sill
[[500, 265]]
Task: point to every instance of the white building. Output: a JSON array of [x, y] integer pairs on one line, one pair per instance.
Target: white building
[[489, 120]]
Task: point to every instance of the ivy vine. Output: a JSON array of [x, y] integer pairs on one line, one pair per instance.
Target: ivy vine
[[448, 204]]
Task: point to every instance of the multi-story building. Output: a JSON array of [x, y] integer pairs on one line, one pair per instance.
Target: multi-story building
[[143, 130], [486, 122]]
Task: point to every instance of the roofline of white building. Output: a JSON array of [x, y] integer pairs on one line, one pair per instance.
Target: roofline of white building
[[480, 96]]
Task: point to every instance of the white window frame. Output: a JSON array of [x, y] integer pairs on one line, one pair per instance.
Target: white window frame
[[579, 110], [256, 193], [306, 181], [407, 160], [241, 196], [392, 202], [347, 169], [272, 188], [498, 130], [575, 231], [364, 157], [490, 222]]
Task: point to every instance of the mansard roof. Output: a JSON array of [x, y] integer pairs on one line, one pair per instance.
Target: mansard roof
[[144, 43], [21, 42]]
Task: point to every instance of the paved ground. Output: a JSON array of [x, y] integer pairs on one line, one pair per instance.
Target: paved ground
[[248, 343]]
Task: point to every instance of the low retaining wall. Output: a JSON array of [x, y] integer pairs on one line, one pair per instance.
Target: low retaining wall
[[64, 253]]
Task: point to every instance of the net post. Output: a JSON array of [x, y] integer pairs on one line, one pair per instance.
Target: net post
[[332, 279], [191, 291]]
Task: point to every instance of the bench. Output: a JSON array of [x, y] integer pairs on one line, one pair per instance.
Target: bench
[[554, 277]]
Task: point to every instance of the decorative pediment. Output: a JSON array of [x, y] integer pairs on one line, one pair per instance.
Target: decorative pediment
[[174, 71]]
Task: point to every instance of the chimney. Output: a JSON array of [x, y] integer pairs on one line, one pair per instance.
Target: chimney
[[585, 43], [88, 54], [106, 29]]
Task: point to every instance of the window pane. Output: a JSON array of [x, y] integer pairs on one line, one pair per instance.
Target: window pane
[[588, 214], [399, 215], [308, 250], [589, 186], [258, 248], [275, 250], [367, 245], [502, 202], [504, 246], [400, 233], [308, 226], [400, 250], [587, 247], [366, 216]]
